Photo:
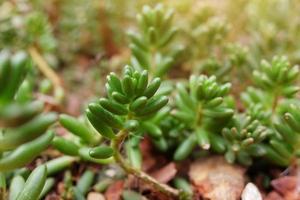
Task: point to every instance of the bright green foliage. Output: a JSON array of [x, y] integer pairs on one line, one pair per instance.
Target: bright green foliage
[[16, 186], [131, 105], [256, 111], [82, 143], [85, 182], [284, 147], [58, 164], [255, 97], [269, 102], [259, 118], [201, 107], [277, 76], [243, 139], [13, 69], [292, 117], [150, 46], [33, 186], [77, 128], [101, 152], [65, 146], [171, 128], [276, 85], [49, 183], [22, 124]]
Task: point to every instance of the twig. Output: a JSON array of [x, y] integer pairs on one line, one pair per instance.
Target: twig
[[44, 67], [165, 189]]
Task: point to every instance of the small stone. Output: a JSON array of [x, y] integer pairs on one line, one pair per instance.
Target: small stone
[[95, 196], [251, 192]]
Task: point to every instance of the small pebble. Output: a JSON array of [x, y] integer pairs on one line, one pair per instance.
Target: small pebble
[[251, 192], [95, 196]]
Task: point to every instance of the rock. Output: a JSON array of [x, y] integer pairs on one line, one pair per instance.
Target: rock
[[166, 173], [95, 196], [215, 179], [251, 192], [273, 196], [114, 191], [287, 186]]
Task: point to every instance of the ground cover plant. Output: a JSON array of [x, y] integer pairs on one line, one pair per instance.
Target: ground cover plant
[[190, 102]]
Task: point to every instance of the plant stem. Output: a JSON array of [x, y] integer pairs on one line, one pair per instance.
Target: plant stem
[[165, 189]]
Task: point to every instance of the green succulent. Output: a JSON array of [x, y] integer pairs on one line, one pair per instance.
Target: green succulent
[[131, 105], [23, 131], [283, 147], [277, 76], [126, 115], [23, 125], [255, 122], [200, 106], [271, 100], [150, 46], [244, 138]]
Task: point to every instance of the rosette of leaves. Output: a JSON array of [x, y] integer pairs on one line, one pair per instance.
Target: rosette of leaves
[[276, 84], [151, 45], [208, 34], [200, 107], [243, 139], [131, 105], [277, 77], [23, 125], [125, 116]]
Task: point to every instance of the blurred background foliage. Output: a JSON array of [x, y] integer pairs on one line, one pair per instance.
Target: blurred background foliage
[[224, 38]]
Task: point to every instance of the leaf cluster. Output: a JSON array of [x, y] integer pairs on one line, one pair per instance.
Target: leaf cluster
[[23, 126], [151, 45]]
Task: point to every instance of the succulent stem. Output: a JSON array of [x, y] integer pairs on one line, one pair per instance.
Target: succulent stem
[[115, 144]]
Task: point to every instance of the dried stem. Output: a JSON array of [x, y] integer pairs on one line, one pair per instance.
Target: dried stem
[[165, 189], [44, 67]]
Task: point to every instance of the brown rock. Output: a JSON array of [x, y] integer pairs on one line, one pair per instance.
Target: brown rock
[[114, 191], [287, 187], [166, 173], [273, 196], [215, 179]]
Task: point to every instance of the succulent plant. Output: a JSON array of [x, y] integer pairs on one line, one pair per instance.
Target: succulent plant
[[23, 125], [150, 47], [200, 106]]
